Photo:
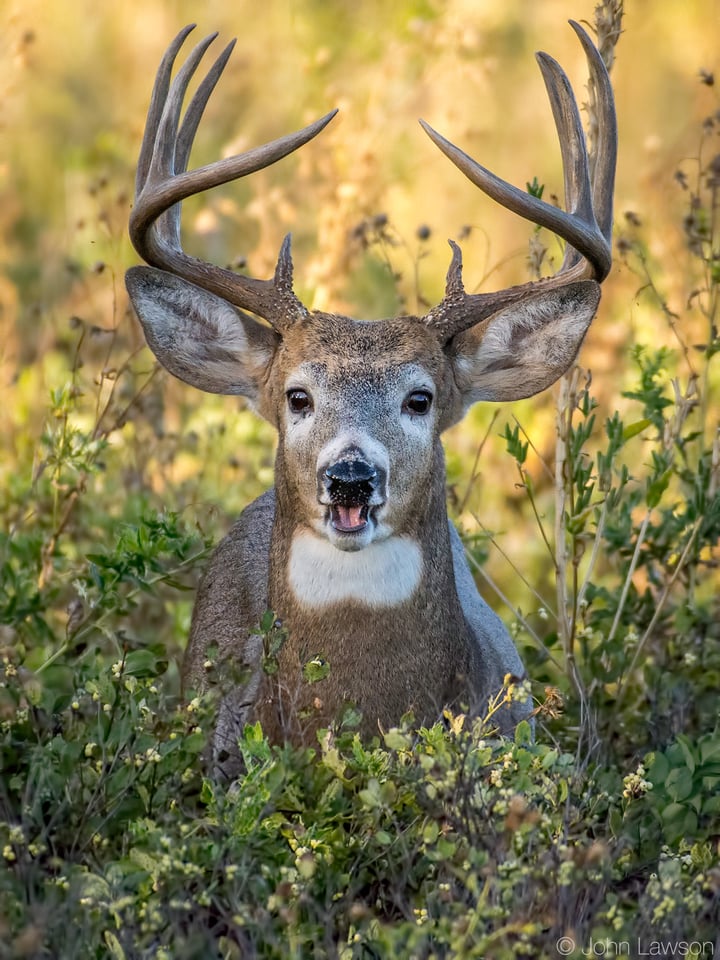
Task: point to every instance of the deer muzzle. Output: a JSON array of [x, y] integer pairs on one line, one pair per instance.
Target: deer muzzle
[[350, 487]]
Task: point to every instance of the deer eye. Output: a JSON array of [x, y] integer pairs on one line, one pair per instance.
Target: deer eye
[[417, 403], [299, 401]]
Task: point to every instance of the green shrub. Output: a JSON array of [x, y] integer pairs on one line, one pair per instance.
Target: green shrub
[[440, 842]]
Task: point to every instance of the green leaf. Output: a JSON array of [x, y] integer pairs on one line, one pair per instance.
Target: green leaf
[[535, 188], [267, 620], [515, 447], [679, 783], [431, 832], [673, 812], [656, 488], [141, 663], [253, 733], [632, 429], [195, 743], [144, 795], [397, 740], [143, 860], [709, 749], [315, 670], [351, 718], [114, 946], [333, 761], [207, 791], [678, 821], [92, 886], [446, 848], [523, 733], [371, 795], [659, 770], [687, 751]]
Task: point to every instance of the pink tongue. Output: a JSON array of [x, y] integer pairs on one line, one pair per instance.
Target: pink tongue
[[349, 518]]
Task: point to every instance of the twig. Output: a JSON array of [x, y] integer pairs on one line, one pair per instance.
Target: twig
[[658, 610], [628, 578]]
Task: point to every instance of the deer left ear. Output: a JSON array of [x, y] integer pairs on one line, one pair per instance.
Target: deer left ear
[[526, 347]]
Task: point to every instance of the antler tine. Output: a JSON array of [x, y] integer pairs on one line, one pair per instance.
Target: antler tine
[[604, 155], [195, 110], [586, 226], [172, 149], [170, 221], [162, 163], [163, 182], [157, 104], [524, 204], [576, 171]]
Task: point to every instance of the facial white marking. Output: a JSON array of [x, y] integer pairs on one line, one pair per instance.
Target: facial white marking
[[384, 574], [366, 415]]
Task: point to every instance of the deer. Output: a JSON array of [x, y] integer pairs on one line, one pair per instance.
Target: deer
[[352, 549]]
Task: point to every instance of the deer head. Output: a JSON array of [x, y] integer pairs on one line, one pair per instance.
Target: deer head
[[359, 406]]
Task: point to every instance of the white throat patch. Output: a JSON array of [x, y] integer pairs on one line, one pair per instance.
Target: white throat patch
[[383, 574]]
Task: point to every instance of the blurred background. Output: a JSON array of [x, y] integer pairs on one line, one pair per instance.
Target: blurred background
[[370, 204]]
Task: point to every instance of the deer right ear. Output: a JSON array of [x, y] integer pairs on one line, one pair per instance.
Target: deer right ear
[[524, 348], [199, 337]]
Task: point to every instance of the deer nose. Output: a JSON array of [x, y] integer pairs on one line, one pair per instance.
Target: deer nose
[[351, 481]]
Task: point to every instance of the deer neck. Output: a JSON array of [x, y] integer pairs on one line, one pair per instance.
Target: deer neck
[[387, 618], [389, 576]]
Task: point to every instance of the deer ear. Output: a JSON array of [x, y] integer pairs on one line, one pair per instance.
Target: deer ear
[[526, 347], [199, 337]]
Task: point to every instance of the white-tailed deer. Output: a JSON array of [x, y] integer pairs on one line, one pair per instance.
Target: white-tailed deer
[[352, 549]]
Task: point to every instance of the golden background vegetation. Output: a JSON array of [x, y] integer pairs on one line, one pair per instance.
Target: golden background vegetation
[[75, 79]]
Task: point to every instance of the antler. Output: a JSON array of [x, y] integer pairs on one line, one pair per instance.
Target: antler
[[587, 224], [163, 182]]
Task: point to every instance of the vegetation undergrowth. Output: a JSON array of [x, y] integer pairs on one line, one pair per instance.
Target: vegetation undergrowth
[[441, 842], [599, 834]]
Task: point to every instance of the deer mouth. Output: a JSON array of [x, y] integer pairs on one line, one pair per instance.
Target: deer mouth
[[349, 517], [352, 490]]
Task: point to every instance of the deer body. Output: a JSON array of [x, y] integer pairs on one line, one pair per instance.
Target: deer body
[[383, 660], [352, 549]]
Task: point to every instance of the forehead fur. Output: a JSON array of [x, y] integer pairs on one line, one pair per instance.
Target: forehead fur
[[343, 344]]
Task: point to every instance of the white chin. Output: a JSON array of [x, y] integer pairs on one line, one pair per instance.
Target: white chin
[[375, 530], [350, 541]]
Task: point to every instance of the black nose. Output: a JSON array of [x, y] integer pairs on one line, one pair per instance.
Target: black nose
[[351, 481], [351, 471]]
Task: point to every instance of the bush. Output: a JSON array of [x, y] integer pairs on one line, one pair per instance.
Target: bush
[[440, 842]]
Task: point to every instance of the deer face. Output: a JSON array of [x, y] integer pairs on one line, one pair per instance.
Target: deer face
[[358, 408]]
